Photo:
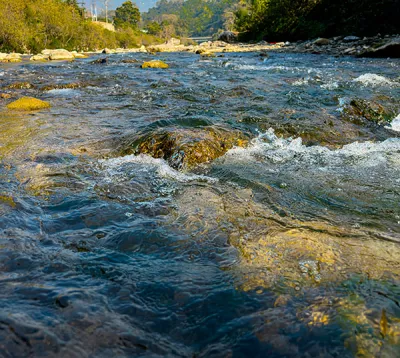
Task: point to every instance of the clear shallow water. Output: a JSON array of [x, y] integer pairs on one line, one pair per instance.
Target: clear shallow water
[[286, 248]]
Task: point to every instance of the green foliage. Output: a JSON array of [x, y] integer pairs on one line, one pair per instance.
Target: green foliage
[[153, 28], [127, 15], [33, 25], [278, 20]]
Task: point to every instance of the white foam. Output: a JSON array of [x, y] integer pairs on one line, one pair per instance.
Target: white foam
[[63, 92], [268, 146], [331, 85], [301, 82], [114, 166], [395, 125], [374, 80]]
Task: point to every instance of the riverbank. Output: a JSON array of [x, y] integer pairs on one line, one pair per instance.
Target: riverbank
[[376, 46]]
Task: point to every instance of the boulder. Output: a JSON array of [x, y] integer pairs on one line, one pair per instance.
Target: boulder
[[59, 86], [130, 60], [5, 95], [351, 38], [11, 57], [28, 104], [40, 58], [322, 42], [173, 42], [227, 36], [79, 55], [185, 148], [106, 51], [59, 55], [391, 49], [154, 64]]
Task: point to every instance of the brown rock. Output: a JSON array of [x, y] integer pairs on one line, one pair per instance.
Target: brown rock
[[185, 148]]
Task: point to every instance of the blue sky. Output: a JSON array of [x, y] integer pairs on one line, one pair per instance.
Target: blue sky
[[144, 5]]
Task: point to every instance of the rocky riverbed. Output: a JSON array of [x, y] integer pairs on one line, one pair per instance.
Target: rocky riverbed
[[244, 205]]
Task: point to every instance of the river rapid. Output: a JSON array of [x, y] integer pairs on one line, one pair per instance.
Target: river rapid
[[288, 247]]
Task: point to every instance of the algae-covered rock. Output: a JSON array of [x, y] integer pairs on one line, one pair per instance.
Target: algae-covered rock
[[100, 61], [360, 111], [185, 148], [20, 85], [62, 86], [155, 64], [28, 104]]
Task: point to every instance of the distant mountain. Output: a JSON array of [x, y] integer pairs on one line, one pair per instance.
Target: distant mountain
[[193, 17], [143, 5]]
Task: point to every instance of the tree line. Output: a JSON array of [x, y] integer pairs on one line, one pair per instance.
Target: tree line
[[33, 25]]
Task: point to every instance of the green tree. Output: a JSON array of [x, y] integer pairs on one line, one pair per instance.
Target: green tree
[[153, 28], [127, 15]]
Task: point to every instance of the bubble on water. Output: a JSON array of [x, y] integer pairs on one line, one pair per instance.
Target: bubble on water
[[331, 85], [269, 147]]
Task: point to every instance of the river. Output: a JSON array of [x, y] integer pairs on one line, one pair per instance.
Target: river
[[288, 247]]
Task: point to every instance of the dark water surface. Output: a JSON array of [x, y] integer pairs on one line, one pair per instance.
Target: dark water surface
[[289, 247]]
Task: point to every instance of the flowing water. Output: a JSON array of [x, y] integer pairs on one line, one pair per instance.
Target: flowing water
[[289, 247]]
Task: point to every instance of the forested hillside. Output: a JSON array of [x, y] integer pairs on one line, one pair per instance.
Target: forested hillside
[[274, 20], [32, 25], [277, 20], [190, 17]]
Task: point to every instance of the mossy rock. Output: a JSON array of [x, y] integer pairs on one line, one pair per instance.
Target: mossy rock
[[185, 148], [8, 200], [62, 86], [20, 85], [155, 64], [28, 104], [208, 54], [361, 111]]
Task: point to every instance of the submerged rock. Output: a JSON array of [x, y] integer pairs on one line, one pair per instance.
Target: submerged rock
[[28, 104], [351, 38], [62, 86], [154, 64], [184, 148], [100, 61], [134, 60]]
